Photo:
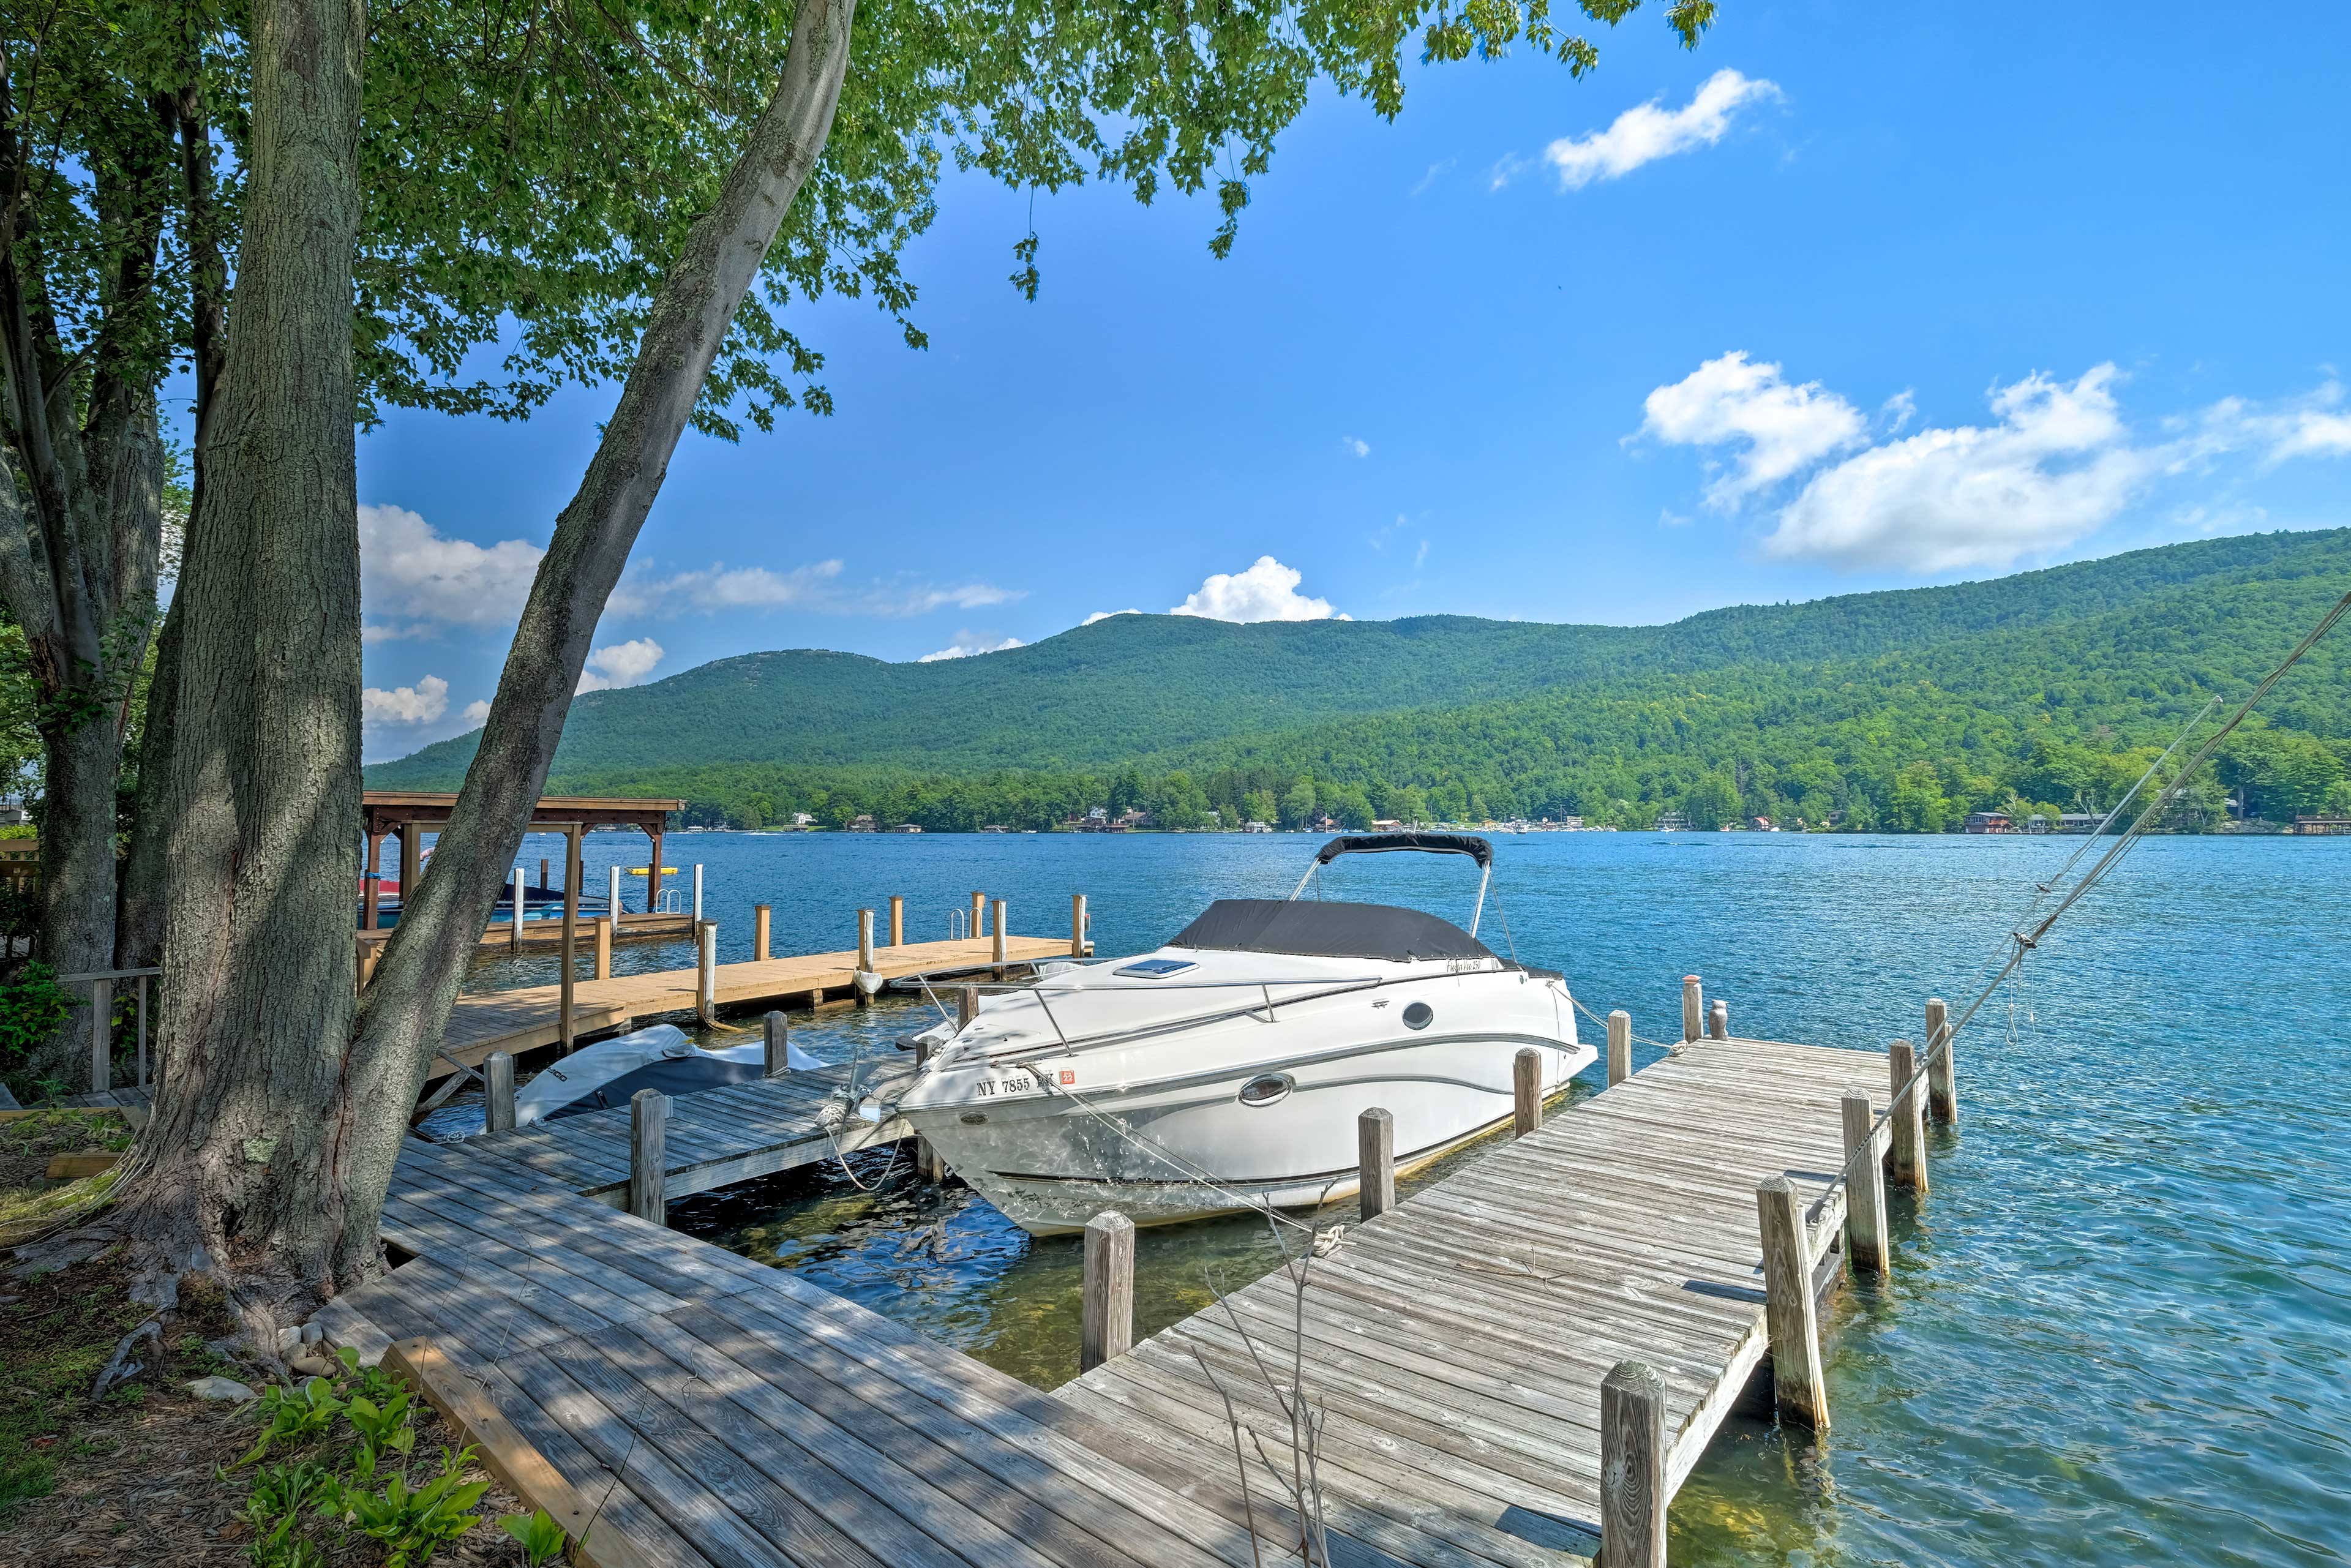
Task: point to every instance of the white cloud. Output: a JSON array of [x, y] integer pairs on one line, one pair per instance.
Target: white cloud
[[619, 664], [921, 600], [1646, 133], [2311, 426], [409, 570], [1899, 410], [967, 644], [1435, 173], [1107, 614], [716, 587], [1420, 555], [1354, 446], [477, 712], [1733, 400], [1266, 592], [422, 703], [2058, 464]]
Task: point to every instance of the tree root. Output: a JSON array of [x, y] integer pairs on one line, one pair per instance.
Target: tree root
[[118, 1367]]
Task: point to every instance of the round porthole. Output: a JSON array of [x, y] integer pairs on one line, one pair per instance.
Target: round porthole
[[1417, 1016], [1266, 1090]]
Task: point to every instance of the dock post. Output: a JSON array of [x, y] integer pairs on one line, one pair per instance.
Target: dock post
[[1909, 1154], [1526, 1089], [1375, 1161], [706, 971], [1108, 1325], [101, 1036], [779, 1045], [649, 1156], [1620, 1047], [603, 924], [1077, 925], [1789, 1309], [1632, 1467], [762, 917], [1942, 1073], [565, 1029], [697, 893], [864, 955], [1718, 1021], [978, 913], [1865, 1191], [544, 885], [995, 930], [613, 893], [966, 1007], [412, 861], [370, 913], [519, 902], [927, 1164], [897, 920], [1693, 1008], [497, 1108]]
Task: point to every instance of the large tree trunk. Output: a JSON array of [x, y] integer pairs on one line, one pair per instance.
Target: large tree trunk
[[258, 1123], [408, 1004]]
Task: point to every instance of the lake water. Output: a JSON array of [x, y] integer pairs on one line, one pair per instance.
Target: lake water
[[2119, 1331]]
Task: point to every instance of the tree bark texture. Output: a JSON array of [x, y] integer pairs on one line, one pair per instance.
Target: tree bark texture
[[408, 1004], [258, 1123], [81, 520]]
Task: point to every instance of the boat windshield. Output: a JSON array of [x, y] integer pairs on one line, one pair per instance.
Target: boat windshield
[[1327, 930]]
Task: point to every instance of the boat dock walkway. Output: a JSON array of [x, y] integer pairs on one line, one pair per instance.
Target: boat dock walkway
[[517, 1020], [1456, 1345]]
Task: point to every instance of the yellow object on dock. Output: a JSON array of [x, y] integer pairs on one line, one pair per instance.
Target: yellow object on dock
[[642, 871]]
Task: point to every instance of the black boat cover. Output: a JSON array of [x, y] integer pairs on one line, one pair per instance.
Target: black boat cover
[[1325, 930], [1468, 844]]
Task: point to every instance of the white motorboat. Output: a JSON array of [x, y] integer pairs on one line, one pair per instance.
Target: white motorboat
[[603, 1075], [1226, 1069]]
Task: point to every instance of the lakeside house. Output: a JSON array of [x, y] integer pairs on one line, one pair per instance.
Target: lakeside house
[[1257, 827], [1989, 823], [904, 828], [2079, 821], [1672, 823], [2322, 824], [861, 824]]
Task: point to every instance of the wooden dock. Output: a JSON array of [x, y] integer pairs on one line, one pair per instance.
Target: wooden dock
[[1466, 1349], [517, 1021]]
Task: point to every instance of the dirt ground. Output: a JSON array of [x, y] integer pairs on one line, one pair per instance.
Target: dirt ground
[[145, 1474]]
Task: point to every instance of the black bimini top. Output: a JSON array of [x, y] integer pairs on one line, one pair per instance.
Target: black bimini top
[[1322, 930], [1468, 844]]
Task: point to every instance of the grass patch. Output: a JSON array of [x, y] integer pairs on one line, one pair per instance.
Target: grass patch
[[55, 1338], [29, 1202]]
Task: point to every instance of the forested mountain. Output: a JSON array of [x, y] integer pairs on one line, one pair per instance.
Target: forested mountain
[[1893, 709]]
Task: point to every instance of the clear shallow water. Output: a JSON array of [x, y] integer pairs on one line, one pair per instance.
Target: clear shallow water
[[2119, 1331]]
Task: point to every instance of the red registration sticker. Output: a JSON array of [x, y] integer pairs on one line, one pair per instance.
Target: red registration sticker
[[1068, 1076]]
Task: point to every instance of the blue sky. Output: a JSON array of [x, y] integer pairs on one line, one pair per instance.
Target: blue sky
[[1908, 294]]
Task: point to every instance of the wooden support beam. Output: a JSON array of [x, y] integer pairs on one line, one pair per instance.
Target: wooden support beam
[[1942, 1071], [1693, 1006], [697, 892], [566, 1031], [142, 1032], [1632, 1467], [370, 913], [779, 1045], [927, 1164], [101, 1036], [1790, 1310], [513, 932], [544, 885], [978, 915], [762, 925], [1107, 1326], [1907, 1159], [1375, 1161], [1077, 925], [499, 1093], [706, 971], [612, 891], [1526, 1089], [649, 1156], [1620, 1047], [412, 861], [1866, 1233], [603, 924], [897, 920], [864, 997], [1718, 1021], [966, 1007], [996, 931]]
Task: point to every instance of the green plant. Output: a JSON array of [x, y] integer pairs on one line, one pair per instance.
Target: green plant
[[294, 1415], [541, 1539], [273, 1509], [33, 1008], [381, 1426], [413, 1522]]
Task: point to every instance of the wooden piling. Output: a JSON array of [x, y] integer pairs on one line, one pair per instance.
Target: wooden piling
[[966, 1007], [1077, 925], [498, 1104], [1908, 1154], [519, 902], [1865, 1232], [1693, 1008], [927, 1164], [762, 921], [779, 1055], [1718, 1021], [544, 885], [649, 1156], [697, 893], [897, 920], [1375, 1161], [1526, 1089], [1632, 1467], [613, 893], [706, 971], [864, 956], [979, 915], [101, 1036], [1620, 1047], [1107, 1326], [411, 862], [1942, 1072], [567, 1034], [1789, 1313], [603, 924], [997, 932]]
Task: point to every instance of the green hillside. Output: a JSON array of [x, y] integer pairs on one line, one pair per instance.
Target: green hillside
[[1886, 709]]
